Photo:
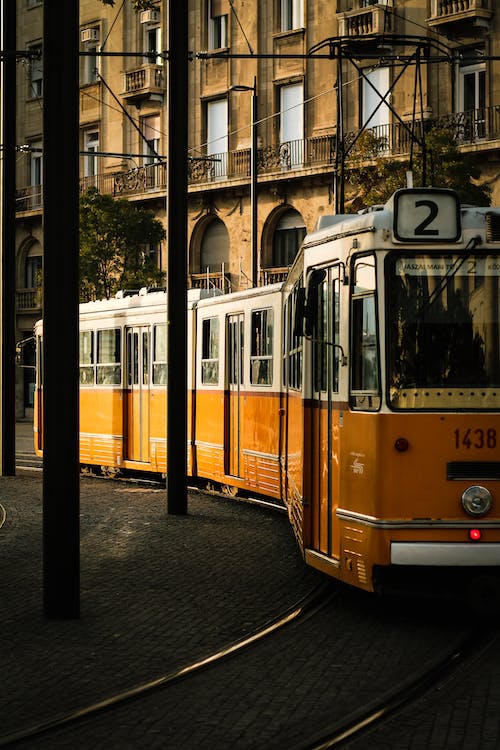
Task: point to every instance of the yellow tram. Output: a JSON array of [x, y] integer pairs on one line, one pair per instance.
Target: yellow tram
[[364, 392]]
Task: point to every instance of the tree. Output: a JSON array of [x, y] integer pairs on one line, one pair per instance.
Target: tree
[[137, 5], [373, 177], [113, 236]]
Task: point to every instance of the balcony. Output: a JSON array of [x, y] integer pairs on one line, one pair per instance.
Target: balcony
[[220, 281], [316, 155], [461, 17], [28, 300], [369, 20], [145, 82], [29, 198]]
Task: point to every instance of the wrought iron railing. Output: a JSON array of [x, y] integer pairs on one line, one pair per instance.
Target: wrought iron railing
[[395, 139], [273, 275], [220, 281]]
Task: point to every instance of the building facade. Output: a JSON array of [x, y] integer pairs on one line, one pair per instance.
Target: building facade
[[285, 85]]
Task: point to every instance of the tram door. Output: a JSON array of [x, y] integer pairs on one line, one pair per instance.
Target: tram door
[[325, 414], [233, 400], [136, 396]]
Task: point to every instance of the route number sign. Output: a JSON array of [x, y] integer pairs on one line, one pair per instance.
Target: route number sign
[[426, 215]]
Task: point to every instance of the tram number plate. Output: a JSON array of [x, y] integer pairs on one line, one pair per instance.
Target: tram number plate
[[476, 438], [426, 215]]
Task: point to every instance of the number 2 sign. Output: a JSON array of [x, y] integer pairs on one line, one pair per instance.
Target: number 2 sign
[[426, 215]]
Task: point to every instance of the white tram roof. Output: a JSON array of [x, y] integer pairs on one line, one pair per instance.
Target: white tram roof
[[380, 218]]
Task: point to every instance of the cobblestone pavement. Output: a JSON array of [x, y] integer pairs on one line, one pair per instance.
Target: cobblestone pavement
[[158, 591]]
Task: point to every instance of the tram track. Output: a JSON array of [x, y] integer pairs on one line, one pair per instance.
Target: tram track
[[29, 462], [345, 723], [317, 598], [358, 724], [216, 668]]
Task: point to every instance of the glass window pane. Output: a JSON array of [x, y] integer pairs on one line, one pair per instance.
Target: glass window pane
[[444, 331], [261, 347], [160, 354], [108, 357], [210, 351]]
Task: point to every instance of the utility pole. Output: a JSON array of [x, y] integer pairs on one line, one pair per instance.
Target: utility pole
[[177, 258], [61, 471], [8, 241]]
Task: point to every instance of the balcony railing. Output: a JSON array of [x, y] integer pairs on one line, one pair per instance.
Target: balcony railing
[[29, 198], [220, 281], [144, 82], [478, 126], [28, 299], [457, 11], [273, 275], [366, 21]]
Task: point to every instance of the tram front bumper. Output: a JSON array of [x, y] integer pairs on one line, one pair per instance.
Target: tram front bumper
[[449, 554]]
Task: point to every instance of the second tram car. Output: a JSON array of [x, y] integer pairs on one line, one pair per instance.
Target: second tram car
[[364, 392]]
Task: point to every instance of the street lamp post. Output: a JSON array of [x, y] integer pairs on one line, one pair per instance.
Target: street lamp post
[[253, 177]]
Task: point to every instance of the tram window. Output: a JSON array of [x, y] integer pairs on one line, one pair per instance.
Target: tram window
[[326, 337], [320, 345], [87, 358], [145, 357], [364, 275], [210, 351], [443, 331], [365, 393], [293, 344], [108, 370], [132, 358], [160, 354], [261, 355], [235, 349]]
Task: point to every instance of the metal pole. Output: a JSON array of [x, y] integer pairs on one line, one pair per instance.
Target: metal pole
[[177, 258], [253, 187], [61, 488], [8, 241]]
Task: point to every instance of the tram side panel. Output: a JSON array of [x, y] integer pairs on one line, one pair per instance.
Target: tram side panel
[[237, 411]]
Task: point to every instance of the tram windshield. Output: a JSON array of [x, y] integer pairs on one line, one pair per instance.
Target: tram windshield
[[443, 331]]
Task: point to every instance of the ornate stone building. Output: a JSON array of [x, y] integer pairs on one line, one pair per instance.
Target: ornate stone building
[[289, 82]]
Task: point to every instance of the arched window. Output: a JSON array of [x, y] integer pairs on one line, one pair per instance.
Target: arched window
[[289, 233], [214, 247], [32, 266]]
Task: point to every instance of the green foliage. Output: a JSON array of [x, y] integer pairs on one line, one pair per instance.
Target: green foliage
[[113, 234], [137, 5], [373, 177]]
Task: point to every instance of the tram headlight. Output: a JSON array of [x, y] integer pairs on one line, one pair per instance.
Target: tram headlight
[[476, 500]]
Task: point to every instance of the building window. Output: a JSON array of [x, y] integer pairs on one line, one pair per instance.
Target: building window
[[287, 239], [32, 271], [151, 138], [152, 43], [91, 147], [292, 125], [214, 248], [90, 63], [35, 72], [36, 164], [217, 137], [471, 98], [375, 112], [217, 24], [292, 14]]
